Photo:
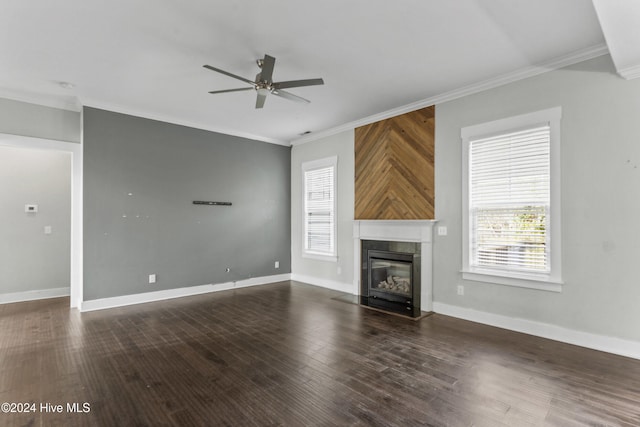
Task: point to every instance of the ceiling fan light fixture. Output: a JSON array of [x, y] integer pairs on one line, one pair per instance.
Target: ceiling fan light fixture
[[263, 91]]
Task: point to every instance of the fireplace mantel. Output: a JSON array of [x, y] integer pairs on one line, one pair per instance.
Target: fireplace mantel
[[399, 231], [394, 230]]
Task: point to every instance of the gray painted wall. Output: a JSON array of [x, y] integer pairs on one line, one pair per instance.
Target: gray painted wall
[[21, 118], [336, 275], [30, 259], [600, 136], [157, 229]]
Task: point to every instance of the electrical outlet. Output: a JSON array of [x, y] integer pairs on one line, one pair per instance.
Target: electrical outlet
[[460, 290], [152, 278], [277, 264], [442, 230], [339, 270]]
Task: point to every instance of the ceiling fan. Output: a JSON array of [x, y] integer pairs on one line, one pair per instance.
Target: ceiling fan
[[264, 84]]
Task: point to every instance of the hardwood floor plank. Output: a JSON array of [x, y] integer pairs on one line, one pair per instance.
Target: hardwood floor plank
[[289, 354]]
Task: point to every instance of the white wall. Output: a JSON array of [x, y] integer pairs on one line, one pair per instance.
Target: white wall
[[31, 260], [600, 167], [324, 273]]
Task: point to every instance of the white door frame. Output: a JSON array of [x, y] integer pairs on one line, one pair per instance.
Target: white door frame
[[76, 200]]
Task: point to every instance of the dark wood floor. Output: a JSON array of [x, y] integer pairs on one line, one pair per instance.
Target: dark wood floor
[[289, 354]]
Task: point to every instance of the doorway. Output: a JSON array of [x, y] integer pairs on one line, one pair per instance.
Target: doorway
[[36, 223]]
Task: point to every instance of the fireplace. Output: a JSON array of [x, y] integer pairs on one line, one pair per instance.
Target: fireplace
[[411, 241], [391, 276]]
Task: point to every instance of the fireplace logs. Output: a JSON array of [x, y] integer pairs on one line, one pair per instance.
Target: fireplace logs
[[396, 284]]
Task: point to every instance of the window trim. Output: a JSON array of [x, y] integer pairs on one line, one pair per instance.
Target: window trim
[[308, 166], [548, 282]]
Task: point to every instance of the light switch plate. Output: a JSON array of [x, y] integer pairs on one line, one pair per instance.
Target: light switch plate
[[31, 208]]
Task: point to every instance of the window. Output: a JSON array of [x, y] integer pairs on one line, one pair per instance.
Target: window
[[511, 230], [319, 184]]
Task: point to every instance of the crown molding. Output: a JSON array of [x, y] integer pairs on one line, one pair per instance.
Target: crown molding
[[523, 73], [89, 102], [62, 102], [74, 103], [630, 73]]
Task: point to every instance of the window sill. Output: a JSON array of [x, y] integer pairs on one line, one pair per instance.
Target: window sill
[[541, 283], [320, 257]]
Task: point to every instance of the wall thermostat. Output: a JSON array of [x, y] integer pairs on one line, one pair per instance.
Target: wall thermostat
[[31, 208]]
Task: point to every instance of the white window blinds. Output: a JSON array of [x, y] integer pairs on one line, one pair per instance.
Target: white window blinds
[[319, 210], [509, 200]]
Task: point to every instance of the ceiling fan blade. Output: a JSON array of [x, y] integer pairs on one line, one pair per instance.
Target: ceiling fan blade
[[298, 83], [260, 100], [231, 90], [268, 62], [264, 84], [290, 96], [226, 73]]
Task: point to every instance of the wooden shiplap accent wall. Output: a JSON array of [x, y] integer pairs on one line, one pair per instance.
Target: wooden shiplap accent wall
[[394, 167]]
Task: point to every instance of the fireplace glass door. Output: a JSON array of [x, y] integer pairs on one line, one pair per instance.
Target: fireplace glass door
[[391, 276]]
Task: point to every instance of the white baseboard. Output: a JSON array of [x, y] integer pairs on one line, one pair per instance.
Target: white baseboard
[[325, 283], [33, 295], [583, 339], [124, 300]]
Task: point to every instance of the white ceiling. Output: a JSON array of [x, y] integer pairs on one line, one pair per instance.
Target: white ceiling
[[145, 57]]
